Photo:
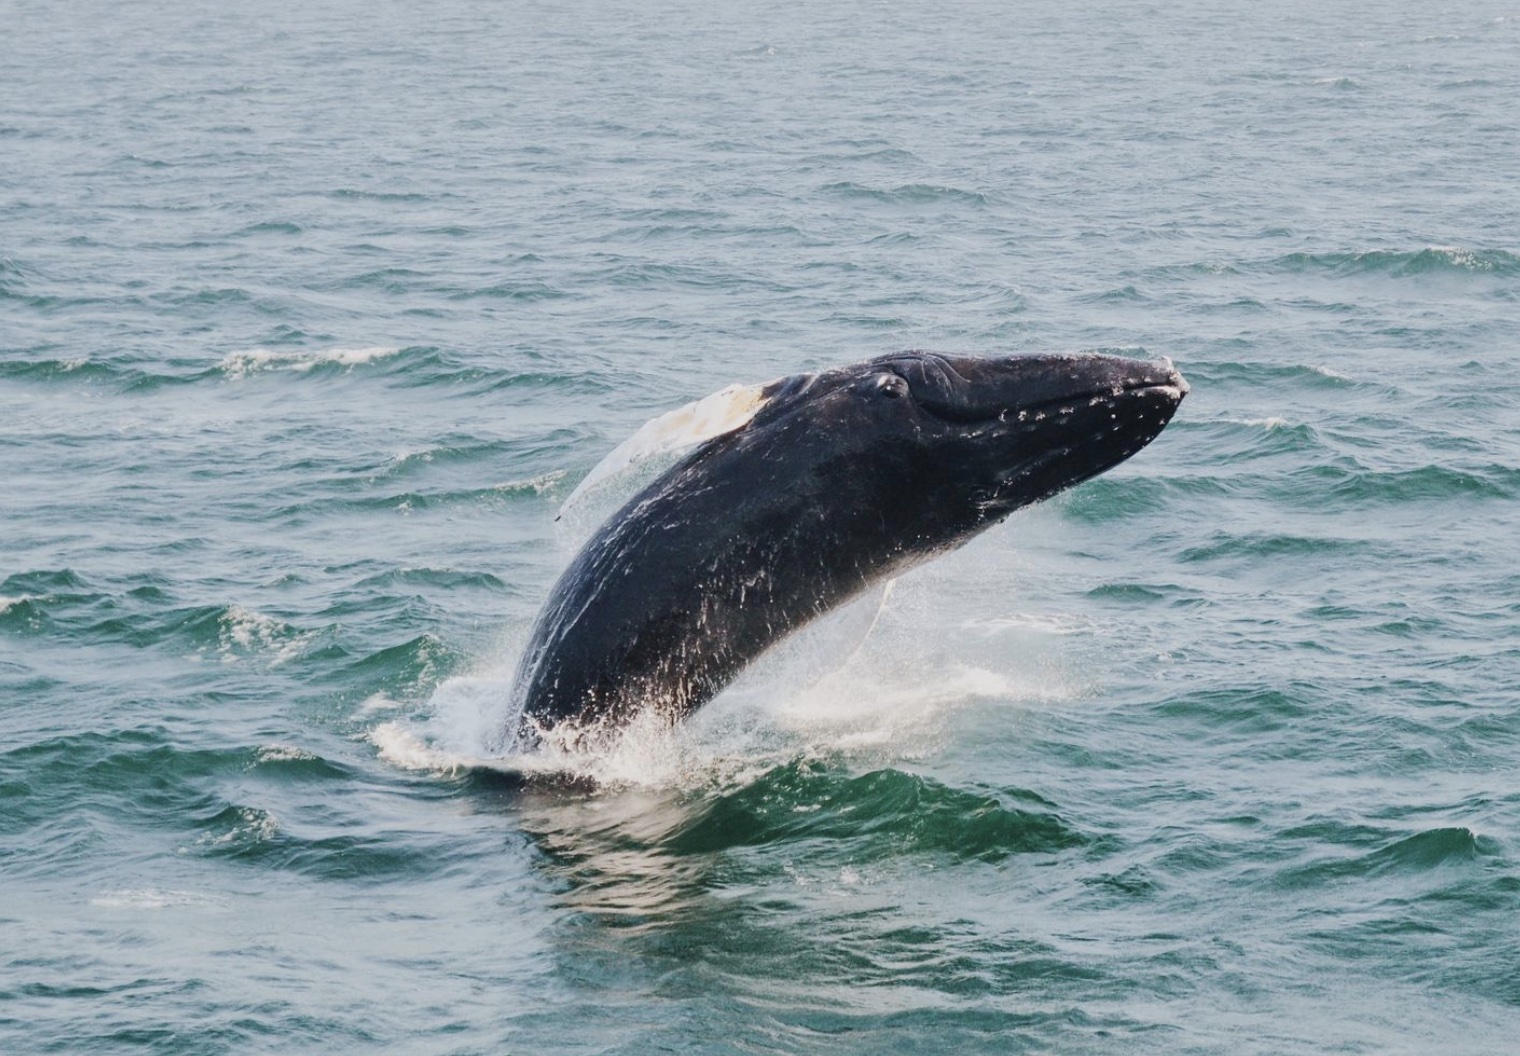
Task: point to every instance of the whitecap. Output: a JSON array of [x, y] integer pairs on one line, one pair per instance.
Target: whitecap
[[252, 826], [283, 753], [239, 365], [244, 631]]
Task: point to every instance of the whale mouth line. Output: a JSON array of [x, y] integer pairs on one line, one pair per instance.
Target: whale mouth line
[[1161, 381], [1173, 391]]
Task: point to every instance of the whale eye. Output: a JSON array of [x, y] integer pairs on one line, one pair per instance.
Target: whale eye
[[891, 386]]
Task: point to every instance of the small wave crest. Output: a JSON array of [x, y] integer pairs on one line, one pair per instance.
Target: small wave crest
[[243, 632], [259, 360], [882, 812], [74, 370], [238, 828], [912, 194], [1360, 486], [133, 374], [1431, 260]]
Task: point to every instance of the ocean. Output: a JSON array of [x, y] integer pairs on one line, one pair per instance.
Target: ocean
[[312, 316]]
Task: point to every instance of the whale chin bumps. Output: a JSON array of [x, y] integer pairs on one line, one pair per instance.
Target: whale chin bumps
[[792, 497]]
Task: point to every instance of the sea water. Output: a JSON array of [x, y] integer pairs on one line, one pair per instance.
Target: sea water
[[313, 315]]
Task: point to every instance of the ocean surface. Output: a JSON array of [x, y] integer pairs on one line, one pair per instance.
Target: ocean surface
[[312, 315]]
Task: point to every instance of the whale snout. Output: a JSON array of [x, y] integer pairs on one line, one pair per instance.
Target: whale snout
[[1118, 374], [1162, 375], [1132, 398], [1158, 385]]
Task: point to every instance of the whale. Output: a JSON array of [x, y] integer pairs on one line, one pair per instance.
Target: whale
[[800, 494]]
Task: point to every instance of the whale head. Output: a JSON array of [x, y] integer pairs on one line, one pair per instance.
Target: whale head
[[959, 442]]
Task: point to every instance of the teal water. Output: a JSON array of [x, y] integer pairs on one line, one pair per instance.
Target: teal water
[[311, 316]]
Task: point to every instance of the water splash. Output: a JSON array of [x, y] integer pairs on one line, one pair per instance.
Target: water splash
[[872, 683]]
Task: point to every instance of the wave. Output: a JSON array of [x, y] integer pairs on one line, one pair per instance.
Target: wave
[[1419, 852], [1432, 260], [270, 227], [644, 859], [411, 366], [142, 617], [885, 813], [107, 762], [489, 497], [231, 633], [1243, 712], [37, 603], [875, 154], [405, 670], [1365, 487], [1125, 295], [45, 580], [74, 370], [1114, 498], [211, 802], [1271, 375], [258, 360], [1267, 546], [13, 277], [135, 374], [523, 292], [389, 197], [443, 578], [912, 194], [260, 836]]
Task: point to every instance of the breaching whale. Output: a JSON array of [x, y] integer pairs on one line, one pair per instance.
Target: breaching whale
[[803, 493]]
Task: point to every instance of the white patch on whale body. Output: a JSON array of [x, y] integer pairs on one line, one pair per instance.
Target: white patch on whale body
[[674, 433]]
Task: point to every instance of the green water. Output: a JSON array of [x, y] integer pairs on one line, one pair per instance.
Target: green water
[[312, 316]]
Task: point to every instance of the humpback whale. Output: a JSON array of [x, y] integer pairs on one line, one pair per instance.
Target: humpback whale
[[801, 494]]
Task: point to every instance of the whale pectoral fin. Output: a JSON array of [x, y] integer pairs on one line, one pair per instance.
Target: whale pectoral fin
[[674, 433]]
